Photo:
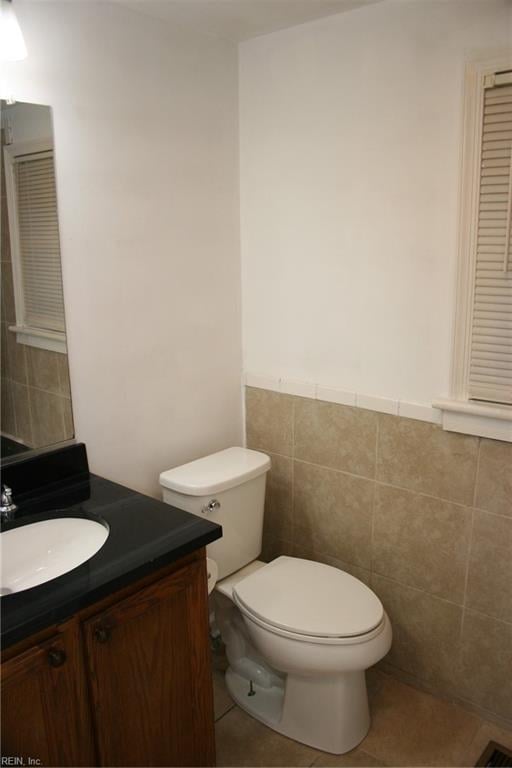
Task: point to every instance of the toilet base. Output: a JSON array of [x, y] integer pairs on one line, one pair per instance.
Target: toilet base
[[265, 705], [329, 712]]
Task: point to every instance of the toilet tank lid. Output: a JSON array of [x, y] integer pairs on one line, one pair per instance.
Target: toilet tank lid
[[216, 472]]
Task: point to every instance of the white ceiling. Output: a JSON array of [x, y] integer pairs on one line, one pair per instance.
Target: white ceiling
[[239, 20]]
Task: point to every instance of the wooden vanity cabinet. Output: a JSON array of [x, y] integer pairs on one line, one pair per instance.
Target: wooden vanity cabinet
[[149, 672], [135, 688], [45, 711]]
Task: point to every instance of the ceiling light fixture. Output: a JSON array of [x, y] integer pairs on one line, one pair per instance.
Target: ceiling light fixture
[[12, 44]]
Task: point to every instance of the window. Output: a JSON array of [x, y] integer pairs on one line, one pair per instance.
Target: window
[[35, 247], [481, 382]]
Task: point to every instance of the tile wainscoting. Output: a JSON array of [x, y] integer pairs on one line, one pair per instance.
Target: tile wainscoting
[[422, 515]]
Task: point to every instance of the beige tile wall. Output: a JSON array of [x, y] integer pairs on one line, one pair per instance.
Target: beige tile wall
[[36, 398], [422, 515]]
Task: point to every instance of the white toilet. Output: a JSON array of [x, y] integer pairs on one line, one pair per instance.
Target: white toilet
[[299, 635]]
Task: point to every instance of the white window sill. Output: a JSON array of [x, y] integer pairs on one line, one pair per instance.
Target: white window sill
[[42, 339], [472, 418]]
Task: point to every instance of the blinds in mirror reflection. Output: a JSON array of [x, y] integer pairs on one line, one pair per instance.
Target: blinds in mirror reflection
[[39, 247]]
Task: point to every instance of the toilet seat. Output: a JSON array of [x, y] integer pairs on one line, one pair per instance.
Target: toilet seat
[[315, 639], [309, 601]]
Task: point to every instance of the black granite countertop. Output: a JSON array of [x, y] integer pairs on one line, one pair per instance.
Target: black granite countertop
[[144, 535]]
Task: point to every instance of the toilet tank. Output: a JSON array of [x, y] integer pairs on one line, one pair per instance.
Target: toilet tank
[[227, 488]]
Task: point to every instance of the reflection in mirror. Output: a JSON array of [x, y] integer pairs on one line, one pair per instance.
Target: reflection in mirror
[[36, 398]]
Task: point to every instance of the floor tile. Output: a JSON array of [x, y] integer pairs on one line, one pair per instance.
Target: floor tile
[[374, 680], [243, 741], [412, 728], [222, 701], [486, 733], [354, 759]]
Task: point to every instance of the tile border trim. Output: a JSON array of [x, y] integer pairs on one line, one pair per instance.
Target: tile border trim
[[315, 391]]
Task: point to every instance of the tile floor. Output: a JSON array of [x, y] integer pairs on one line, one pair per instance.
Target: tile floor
[[409, 728]]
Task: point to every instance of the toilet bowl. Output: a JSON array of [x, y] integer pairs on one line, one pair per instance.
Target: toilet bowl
[[297, 662], [299, 635]]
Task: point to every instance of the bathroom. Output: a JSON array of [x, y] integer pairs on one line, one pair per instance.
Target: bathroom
[[267, 225]]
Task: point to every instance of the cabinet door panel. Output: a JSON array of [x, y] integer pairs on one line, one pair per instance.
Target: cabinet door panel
[[149, 670], [45, 713]]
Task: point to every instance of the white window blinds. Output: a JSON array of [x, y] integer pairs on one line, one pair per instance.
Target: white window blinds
[[490, 370], [38, 237]]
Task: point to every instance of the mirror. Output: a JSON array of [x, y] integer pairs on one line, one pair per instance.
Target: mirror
[[36, 398]]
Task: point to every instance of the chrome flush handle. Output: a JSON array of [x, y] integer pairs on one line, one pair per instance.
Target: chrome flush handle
[[212, 506]]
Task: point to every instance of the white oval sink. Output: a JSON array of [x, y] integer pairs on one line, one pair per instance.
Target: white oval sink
[[35, 553]]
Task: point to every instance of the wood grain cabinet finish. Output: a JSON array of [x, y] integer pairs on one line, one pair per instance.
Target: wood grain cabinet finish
[[127, 685], [149, 673], [45, 712]]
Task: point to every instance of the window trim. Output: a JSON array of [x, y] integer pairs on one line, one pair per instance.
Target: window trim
[[459, 413], [35, 337]]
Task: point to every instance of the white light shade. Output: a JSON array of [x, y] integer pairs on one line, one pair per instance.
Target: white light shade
[[12, 44]]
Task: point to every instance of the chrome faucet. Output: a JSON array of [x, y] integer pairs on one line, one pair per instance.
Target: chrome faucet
[[7, 507]]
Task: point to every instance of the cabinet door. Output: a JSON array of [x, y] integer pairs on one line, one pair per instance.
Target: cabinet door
[[45, 712], [150, 679]]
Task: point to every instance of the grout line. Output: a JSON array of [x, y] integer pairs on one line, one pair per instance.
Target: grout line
[[374, 497], [59, 377], [48, 392], [343, 561], [31, 413], [466, 578], [388, 485], [488, 616], [294, 412], [382, 482], [13, 410], [233, 705], [372, 531], [63, 417], [493, 514], [269, 450], [25, 363], [293, 536], [377, 439], [442, 599], [477, 470], [28, 385], [468, 561], [244, 411], [416, 589], [334, 469]]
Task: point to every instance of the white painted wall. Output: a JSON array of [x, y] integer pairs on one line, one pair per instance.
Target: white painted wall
[[350, 136], [145, 120]]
